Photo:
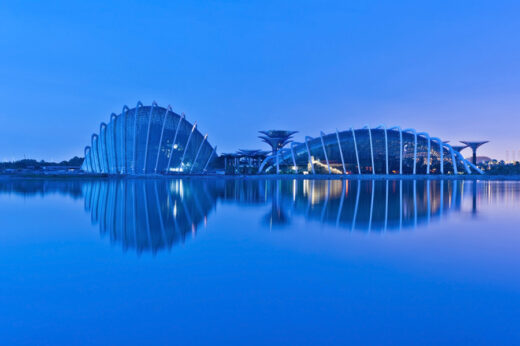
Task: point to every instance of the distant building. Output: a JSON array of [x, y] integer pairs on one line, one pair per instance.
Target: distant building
[[481, 159]]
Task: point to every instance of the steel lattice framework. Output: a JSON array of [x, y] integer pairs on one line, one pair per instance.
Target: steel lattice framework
[[148, 140], [378, 150]]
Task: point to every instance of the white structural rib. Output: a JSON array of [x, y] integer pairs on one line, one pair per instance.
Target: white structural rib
[[414, 148], [371, 148], [88, 160], [309, 153], [103, 135], [386, 146], [400, 147], [134, 154], [264, 163], [325, 151], [292, 153], [181, 119], [123, 136], [101, 149], [341, 153], [428, 158], [453, 160], [474, 167], [438, 140], [94, 146], [168, 109], [464, 162], [94, 154], [88, 164], [91, 160], [209, 159], [198, 152], [113, 120], [355, 149], [109, 141], [188, 142], [150, 116]]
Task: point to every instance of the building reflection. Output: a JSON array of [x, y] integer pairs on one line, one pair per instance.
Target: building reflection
[[151, 215], [369, 205], [148, 215]]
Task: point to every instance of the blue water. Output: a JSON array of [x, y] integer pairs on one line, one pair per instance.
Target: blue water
[[207, 261]]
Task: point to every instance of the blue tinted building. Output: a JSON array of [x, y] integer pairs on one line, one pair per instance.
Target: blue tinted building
[[148, 140], [370, 151], [155, 140]]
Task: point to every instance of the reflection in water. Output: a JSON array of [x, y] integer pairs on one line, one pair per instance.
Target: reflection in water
[[374, 205], [151, 215], [42, 187], [148, 214]]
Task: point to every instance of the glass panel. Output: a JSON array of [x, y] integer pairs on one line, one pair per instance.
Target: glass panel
[[143, 115], [422, 155], [408, 150], [178, 147], [204, 154], [102, 150], [129, 141], [378, 142], [435, 158], [394, 147], [318, 156], [110, 147], [191, 150], [333, 153], [301, 157], [363, 145], [349, 152], [172, 121], [156, 126]]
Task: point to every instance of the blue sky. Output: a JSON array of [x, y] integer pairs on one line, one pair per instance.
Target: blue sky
[[450, 68]]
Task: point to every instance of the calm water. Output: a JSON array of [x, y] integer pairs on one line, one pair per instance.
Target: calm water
[[259, 262]]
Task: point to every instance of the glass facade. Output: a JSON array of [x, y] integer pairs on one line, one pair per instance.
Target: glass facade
[[371, 151], [148, 140]]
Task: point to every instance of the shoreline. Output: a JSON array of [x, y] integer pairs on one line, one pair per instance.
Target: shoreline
[[264, 177]]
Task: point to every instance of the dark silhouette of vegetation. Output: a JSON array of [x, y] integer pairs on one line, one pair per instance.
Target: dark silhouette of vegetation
[[500, 168], [75, 162]]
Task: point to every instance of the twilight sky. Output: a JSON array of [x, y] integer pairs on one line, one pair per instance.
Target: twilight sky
[[450, 68]]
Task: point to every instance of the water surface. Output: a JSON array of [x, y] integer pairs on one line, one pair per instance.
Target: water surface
[[236, 261]]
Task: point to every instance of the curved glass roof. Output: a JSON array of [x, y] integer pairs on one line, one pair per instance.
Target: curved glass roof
[[370, 151], [148, 140]]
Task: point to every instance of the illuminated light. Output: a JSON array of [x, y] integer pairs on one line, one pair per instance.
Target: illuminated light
[[175, 146]]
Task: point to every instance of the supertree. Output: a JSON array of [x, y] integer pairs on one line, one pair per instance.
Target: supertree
[[277, 139]]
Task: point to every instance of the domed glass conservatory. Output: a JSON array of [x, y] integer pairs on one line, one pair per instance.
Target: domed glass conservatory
[[148, 140], [370, 151]]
